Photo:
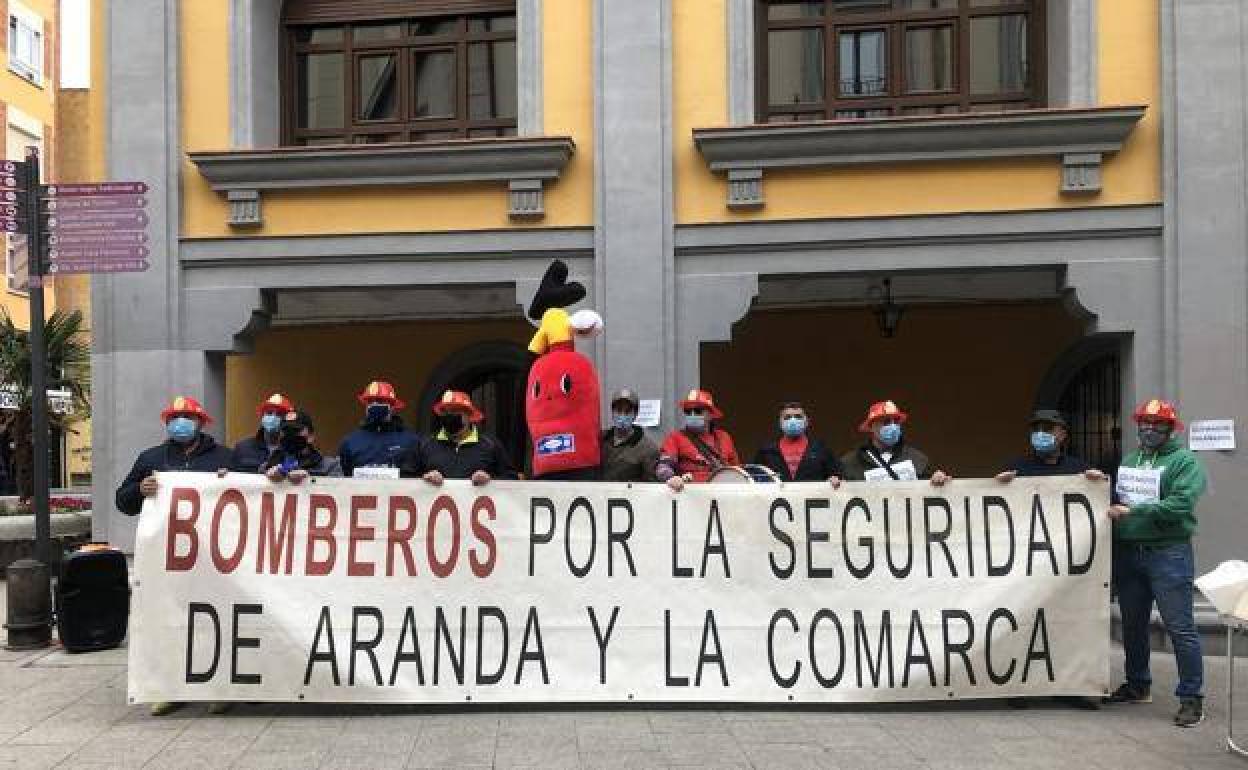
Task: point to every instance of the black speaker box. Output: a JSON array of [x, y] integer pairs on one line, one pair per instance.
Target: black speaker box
[[93, 600]]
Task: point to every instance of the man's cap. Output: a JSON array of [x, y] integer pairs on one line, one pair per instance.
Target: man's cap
[[625, 394], [1049, 415]]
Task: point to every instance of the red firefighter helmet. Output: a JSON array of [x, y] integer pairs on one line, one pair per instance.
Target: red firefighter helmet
[[276, 403], [185, 406], [879, 410], [701, 399], [378, 390], [1157, 409], [458, 401]]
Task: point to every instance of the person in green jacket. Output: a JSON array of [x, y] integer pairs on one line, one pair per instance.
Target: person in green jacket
[[1155, 496]]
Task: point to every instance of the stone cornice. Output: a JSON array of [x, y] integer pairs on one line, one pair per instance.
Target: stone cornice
[[1080, 137]]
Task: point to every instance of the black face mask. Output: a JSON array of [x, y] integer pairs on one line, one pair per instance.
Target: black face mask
[[293, 441], [452, 423]]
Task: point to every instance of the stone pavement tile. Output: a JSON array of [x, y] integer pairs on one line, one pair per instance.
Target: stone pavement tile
[[468, 731], [485, 719], [191, 759], [1077, 730], [604, 738], [1130, 754], [122, 747], [276, 739], [895, 758], [787, 756], [624, 720], [773, 731], [282, 760], [76, 724], [393, 743], [442, 746], [853, 736], [701, 749], [932, 744], [535, 750], [33, 757], [686, 722], [363, 761], [623, 760]]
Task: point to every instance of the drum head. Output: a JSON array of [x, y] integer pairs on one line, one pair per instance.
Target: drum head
[[744, 474]]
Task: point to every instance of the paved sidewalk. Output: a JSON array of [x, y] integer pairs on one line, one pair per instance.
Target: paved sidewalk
[[60, 710]]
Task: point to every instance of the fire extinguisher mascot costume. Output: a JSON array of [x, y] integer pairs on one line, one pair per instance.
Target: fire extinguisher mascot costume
[[562, 401]]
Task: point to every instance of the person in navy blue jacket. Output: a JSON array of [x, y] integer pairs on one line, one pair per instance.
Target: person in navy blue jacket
[[381, 440]]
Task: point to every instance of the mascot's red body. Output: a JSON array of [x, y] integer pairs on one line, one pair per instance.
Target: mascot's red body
[[562, 401]]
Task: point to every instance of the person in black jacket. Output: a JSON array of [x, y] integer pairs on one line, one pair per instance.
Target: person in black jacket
[[796, 455], [1048, 456], [187, 448], [296, 456], [459, 449], [251, 452]]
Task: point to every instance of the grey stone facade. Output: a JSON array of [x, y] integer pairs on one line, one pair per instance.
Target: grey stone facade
[[1171, 280]]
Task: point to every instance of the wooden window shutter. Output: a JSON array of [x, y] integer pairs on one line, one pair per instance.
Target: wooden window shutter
[[327, 11]]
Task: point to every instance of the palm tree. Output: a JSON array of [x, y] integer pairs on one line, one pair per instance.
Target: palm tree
[[68, 362]]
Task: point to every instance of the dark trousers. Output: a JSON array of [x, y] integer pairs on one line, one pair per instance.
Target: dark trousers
[[1144, 575]]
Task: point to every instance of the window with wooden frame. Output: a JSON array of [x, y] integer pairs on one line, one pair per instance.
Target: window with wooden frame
[[378, 71], [838, 59]]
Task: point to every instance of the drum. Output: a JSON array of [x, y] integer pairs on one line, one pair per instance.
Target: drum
[[744, 474]]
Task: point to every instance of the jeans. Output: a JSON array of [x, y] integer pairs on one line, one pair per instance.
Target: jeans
[[1162, 574]]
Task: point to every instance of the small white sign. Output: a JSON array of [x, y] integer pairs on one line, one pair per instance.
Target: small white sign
[[1139, 485], [10, 399], [648, 412], [61, 401], [375, 472], [1211, 435], [903, 469]]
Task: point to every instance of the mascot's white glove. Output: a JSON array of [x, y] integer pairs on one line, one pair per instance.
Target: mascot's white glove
[[586, 323]]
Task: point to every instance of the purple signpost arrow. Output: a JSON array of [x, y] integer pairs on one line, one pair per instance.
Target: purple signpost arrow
[[97, 220], [95, 203], [75, 253], [101, 188], [98, 266], [100, 237]]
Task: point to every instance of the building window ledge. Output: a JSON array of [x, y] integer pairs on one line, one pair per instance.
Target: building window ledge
[[524, 163], [1079, 137]]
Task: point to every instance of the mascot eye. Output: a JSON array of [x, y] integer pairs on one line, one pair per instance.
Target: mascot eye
[[565, 384], [537, 388]]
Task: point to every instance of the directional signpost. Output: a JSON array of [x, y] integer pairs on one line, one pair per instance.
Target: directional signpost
[[96, 228]]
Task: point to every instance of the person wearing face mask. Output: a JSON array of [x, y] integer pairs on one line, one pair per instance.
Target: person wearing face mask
[[376, 448], [699, 448], [1048, 456], [796, 455], [459, 449], [186, 448], [886, 456], [251, 452], [1154, 514], [296, 457], [628, 454]]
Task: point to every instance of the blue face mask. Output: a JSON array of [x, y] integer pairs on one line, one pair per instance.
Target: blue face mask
[[889, 434], [695, 422], [793, 426], [270, 423], [622, 421], [376, 413], [182, 429], [1043, 442]]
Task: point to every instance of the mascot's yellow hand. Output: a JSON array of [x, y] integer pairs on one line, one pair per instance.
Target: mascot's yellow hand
[[554, 328]]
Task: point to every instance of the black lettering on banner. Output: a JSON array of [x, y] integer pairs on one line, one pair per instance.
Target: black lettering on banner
[[856, 571], [330, 656], [534, 536], [711, 631], [916, 633], [497, 614], [669, 680], [1039, 632], [621, 536], [1044, 544], [677, 570], [942, 536], [441, 630], [908, 539], [243, 642], [784, 681], [367, 646], [970, 541], [532, 628], [817, 536], [580, 571], [603, 639], [835, 679], [990, 502], [957, 648], [200, 608], [862, 649], [781, 536], [1069, 500], [721, 548], [400, 657], [997, 614]]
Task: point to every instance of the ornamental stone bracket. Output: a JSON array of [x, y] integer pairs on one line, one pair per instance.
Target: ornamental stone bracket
[[524, 163], [1079, 137]]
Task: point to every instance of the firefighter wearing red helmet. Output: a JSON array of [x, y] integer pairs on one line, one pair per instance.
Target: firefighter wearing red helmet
[[1154, 513], [376, 448], [886, 456], [250, 453]]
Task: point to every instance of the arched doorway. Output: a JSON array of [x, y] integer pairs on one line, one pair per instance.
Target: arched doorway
[[494, 374], [1086, 385]]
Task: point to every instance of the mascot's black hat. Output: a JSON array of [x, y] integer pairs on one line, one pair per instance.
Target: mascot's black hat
[[555, 291]]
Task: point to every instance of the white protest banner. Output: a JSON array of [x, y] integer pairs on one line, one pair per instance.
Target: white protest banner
[[397, 591], [1211, 435]]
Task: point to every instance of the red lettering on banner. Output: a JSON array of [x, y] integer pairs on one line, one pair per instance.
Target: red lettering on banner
[[182, 526], [442, 568], [223, 564], [271, 543], [360, 503], [481, 532], [321, 533], [400, 539]]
